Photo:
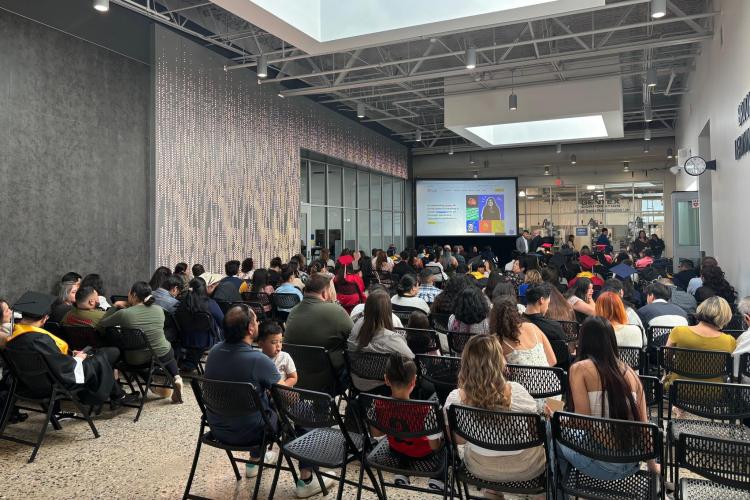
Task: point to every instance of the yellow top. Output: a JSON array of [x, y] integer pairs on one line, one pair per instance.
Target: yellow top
[[21, 329], [685, 338]]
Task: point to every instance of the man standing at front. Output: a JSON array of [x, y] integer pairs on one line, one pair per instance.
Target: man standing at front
[[522, 242]]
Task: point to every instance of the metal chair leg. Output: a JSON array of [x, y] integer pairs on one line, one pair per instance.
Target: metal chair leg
[[192, 469], [234, 465], [39, 440], [277, 472]]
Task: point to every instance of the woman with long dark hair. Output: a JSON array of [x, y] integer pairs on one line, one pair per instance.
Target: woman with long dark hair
[[443, 303], [373, 332], [246, 269], [715, 285], [603, 386], [157, 279], [198, 300], [580, 296]]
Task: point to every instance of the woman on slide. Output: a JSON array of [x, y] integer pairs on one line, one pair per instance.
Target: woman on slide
[[490, 210]]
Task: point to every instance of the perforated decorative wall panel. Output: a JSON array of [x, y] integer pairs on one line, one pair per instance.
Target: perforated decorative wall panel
[[227, 158]]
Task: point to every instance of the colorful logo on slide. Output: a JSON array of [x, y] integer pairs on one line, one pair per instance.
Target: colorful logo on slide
[[485, 226], [472, 226]]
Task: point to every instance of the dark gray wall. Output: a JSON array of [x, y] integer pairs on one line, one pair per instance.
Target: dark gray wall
[[74, 160]]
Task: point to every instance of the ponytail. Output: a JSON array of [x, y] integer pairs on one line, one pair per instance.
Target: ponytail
[[400, 370], [142, 291]]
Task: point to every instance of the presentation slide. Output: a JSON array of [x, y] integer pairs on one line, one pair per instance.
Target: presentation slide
[[481, 207]]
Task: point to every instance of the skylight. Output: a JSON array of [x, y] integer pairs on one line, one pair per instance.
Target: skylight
[[559, 129]]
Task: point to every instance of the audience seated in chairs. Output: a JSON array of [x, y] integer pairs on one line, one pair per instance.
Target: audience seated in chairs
[[443, 303], [658, 311], [481, 384], [317, 321], [84, 312], [603, 386], [287, 284], [427, 289], [235, 360], [522, 341], [139, 313], [580, 296], [270, 341], [618, 287], [470, 311], [228, 289], [260, 284], [712, 315], [406, 298], [66, 297], [359, 309], [743, 341], [715, 285], [537, 305], [95, 281]]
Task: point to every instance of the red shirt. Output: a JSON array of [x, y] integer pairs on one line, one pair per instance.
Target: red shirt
[[406, 418]]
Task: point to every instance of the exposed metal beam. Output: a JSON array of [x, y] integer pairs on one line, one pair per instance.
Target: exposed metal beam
[[348, 65], [189, 7], [570, 32], [606, 38], [665, 42], [697, 27]]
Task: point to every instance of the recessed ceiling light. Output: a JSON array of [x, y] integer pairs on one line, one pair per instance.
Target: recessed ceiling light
[[567, 129]]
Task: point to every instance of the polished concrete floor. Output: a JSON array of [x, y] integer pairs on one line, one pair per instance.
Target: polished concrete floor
[[143, 460]]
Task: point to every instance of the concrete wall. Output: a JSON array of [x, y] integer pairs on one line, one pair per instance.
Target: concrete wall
[[228, 158], [73, 160], [720, 82]]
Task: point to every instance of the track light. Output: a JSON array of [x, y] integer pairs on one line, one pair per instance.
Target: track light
[[546, 170], [471, 57], [670, 153], [513, 102], [626, 166], [573, 159], [360, 110], [559, 148], [658, 8], [262, 67], [651, 77], [450, 150], [418, 136], [647, 134], [101, 5], [648, 114]]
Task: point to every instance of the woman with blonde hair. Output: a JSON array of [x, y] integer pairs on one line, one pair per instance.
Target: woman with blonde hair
[[609, 305], [712, 315], [533, 277], [481, 384]]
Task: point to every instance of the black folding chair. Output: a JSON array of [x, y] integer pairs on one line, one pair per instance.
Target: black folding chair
[[365, 365], [540, 381], [724, 404], [171, 329], [281, 301], [405, 419], [234, 400], [634, 357], [736, 323], [562, 353], [654, 393], [385, 279], [570, 329], [117, 298], [34, 381], [723, 462], [440, 321], [696, 364], [608, 440], [79, 337], [314, 369], [327, 442], [440, 371], [497, 431], [259, 302], [457, 341], [134, 344], [193, 326], [403, 312]]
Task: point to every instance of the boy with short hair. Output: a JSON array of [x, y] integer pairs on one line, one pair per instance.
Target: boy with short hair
[[270, 341]]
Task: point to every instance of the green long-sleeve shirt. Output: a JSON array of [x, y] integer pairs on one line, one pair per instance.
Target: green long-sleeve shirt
[[148, 319]]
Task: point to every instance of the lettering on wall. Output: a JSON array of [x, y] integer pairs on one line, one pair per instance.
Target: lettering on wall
[[742, 143]]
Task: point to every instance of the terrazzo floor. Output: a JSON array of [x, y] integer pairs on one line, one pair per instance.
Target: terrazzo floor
[[143, 460]]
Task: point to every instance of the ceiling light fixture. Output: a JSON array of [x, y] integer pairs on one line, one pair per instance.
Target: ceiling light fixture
[[558, 150], [646, 148], [418, 136], [101, 5], [512, 98], [450, 150], [670, 153], [471, 57], [360, 110], [573, 159], [648, 114], [658, 8], [647, 134], [262, 67], [590, 187], [522, 194], [476, 174], [626, 166], [546, 170], [651, 77]]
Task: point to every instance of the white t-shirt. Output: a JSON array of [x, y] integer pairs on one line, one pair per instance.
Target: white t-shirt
[[359, 311], [520, 401], [285, 364], [628, 336], [414, 302]]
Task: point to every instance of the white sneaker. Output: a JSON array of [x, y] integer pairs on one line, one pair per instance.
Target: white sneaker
[[177, 390], [435, 484], [251, 470], [305, 490], [401, 480]]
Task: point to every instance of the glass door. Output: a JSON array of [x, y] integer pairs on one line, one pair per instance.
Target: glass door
[[686, 232]]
